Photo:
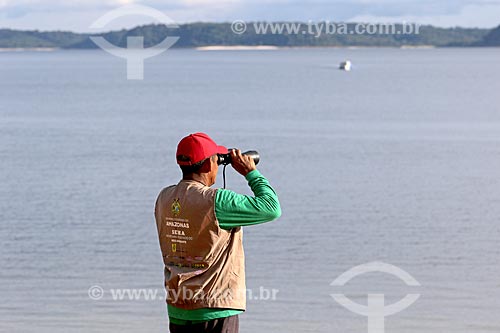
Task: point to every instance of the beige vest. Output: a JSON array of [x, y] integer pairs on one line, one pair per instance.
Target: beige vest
[[204, 264]]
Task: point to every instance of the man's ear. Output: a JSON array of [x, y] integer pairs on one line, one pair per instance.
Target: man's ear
[[206, 167]]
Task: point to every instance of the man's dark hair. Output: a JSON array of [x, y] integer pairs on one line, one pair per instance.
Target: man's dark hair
[[194, 168]]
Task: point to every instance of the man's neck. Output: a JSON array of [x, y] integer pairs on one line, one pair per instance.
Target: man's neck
[[197, 177]]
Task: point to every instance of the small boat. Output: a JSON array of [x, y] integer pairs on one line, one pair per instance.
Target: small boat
[[345, 65]]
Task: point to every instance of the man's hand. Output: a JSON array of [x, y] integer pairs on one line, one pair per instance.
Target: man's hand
[[241, 163]]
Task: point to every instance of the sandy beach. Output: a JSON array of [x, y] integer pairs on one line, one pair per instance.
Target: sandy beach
[[236, 48]]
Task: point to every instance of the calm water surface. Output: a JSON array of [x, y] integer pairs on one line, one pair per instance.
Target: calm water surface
[[396, 161]]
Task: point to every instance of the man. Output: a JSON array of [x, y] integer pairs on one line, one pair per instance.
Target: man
[[200, 234]]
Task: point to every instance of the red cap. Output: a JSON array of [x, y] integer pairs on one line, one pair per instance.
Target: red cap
[[196, 147]]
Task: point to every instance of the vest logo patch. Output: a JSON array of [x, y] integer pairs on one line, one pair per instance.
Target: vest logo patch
[[176, 208]]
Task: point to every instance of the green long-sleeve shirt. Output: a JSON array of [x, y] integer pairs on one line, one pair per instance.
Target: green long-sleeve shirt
[[235, 210]]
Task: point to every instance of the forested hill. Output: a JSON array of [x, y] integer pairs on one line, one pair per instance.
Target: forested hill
[[206, 34], [492, 38]]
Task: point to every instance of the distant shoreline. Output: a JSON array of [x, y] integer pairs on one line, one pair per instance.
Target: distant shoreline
[[251, 48], [29, 49], [236, 47], [219, 36]]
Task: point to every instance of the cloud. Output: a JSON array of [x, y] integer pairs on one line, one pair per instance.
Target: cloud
[[15, 12], [8, 7], [344, 9], [78, 14], [468, 16]]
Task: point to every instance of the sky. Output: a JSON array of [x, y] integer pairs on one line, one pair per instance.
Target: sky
[[78, 15]]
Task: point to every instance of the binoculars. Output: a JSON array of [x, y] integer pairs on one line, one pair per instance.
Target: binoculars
[[225, 159]]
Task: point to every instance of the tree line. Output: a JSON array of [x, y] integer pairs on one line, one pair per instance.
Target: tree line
[[206, 34]]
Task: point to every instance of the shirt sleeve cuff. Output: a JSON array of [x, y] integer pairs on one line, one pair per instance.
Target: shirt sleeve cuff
[[252, 175]]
